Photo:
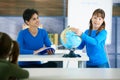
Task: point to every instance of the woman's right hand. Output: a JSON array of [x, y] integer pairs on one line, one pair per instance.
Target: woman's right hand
[[76, 30]]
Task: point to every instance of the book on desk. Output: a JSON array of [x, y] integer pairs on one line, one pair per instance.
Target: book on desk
[[45, 51]]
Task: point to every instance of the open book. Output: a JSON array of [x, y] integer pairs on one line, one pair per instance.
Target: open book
[[42, 52]]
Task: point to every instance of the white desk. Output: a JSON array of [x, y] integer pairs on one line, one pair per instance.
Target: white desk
[[74, 74], [67, 62]]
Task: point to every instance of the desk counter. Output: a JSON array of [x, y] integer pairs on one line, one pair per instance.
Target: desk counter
[[74, 74], [67, 62]]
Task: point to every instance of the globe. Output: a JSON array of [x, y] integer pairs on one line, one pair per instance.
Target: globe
[[70, 41]]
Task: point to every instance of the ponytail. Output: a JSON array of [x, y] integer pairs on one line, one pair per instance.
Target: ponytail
[[13, 57]]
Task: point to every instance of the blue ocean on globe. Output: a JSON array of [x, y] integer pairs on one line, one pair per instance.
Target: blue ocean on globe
[[69, 39]]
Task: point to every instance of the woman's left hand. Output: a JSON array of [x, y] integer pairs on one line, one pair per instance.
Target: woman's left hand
[[50, 52]]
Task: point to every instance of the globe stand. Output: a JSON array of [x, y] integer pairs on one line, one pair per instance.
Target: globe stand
[[71, 54]]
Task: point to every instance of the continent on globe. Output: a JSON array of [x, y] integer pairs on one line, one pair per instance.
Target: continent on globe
[[69, 39]]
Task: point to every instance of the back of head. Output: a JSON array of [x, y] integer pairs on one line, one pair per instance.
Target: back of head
[[8, 48], [5, 44]]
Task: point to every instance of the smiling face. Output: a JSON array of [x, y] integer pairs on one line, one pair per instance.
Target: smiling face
[[34, 21], [97, 21]]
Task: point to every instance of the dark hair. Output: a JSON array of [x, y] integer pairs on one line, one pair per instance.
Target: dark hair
[[28, 13], [101, 13], [13, 57], [8, 48]]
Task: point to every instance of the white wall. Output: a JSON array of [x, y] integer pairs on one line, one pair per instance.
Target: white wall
[[80, 12]]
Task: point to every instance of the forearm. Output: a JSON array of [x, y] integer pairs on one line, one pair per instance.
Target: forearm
[[37, 51], [26, 51]]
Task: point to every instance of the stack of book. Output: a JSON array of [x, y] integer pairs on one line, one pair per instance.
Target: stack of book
[[54, 38]]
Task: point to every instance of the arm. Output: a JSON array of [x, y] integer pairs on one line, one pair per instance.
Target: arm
[[20, 41], [47, 41], [95, 40], [91, 40], [81, 46]]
